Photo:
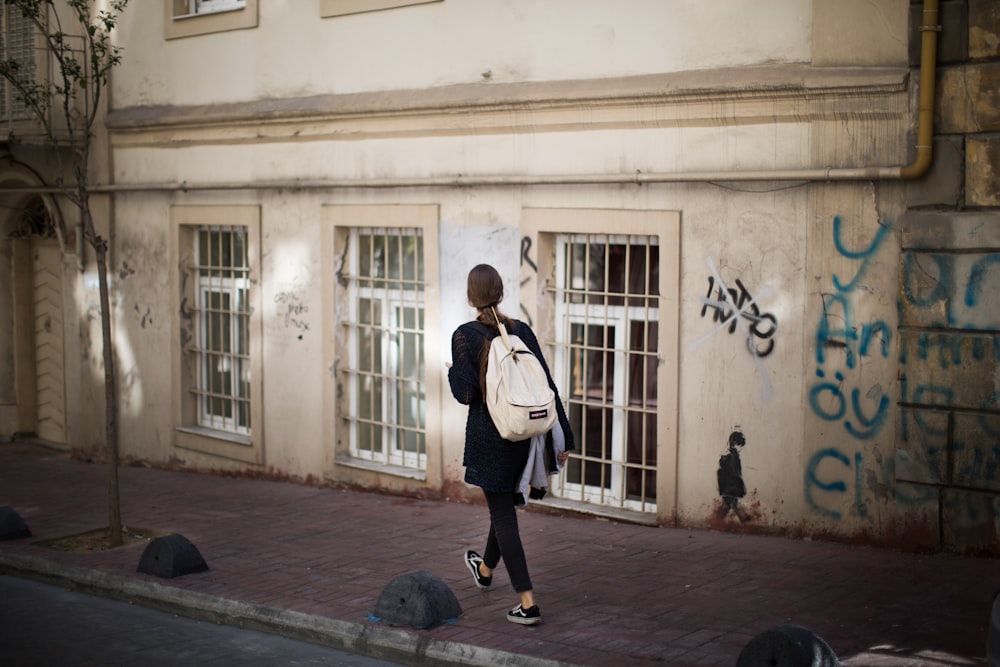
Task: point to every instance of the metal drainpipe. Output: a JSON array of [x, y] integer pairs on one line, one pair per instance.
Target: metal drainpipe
[[925, 120], [929, 29]]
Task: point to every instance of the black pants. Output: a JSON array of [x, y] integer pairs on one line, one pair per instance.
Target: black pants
[[505, 540]]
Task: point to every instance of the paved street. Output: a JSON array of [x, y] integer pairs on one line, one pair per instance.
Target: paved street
[[309, 563], [42, 625]]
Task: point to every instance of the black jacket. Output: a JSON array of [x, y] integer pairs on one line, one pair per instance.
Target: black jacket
[[490, 461]]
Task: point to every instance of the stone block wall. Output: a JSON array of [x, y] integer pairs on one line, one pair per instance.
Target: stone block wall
[[947, 463]]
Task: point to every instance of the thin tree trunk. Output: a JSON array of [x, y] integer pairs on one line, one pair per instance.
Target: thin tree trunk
[[110, 405]]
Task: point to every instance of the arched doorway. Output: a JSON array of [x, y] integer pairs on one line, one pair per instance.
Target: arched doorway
[[32, 350]]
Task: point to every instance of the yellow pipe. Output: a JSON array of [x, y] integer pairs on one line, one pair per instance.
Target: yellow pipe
[[925, 120]]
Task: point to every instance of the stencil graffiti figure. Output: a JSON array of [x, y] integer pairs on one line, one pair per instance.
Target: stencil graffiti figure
[[730, 477]]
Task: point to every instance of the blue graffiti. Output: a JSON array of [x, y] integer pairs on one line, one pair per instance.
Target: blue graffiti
[[864, 255], [813, 481], [847, 337], [945, 284], [832, 484], [834, 390], [942, 286], [951, 348], [976, 275], [874, 424], [870, 426]]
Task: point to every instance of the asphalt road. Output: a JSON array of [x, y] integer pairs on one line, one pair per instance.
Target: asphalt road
[[43, 625]]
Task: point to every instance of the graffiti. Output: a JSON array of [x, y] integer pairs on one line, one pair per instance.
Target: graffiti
[[976, 278], [838, 332], [838, 480], [125, 271], [525, 253], [526, 259], [844, 334], [953, 350], [730, 479], [864, 255], [294, 309], [734, 303], [836, 406], [833, 477], [144, 318], [931, 283], [740, 312]]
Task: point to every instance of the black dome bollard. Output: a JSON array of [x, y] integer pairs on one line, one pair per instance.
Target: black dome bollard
[[171, 556], [787, 646], [418, 600], [12, 526]]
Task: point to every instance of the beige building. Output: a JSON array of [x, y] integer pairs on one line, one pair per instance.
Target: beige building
[[761, 313]]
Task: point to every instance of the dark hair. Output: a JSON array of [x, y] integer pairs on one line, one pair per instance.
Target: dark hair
[[485, 292], [485, 286]]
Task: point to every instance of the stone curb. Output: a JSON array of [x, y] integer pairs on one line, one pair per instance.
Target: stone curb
[[386, 643]]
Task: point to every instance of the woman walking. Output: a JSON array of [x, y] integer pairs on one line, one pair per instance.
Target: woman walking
[[492, 463]]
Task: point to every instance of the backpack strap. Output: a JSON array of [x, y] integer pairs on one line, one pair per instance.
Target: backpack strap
[[488, 333]]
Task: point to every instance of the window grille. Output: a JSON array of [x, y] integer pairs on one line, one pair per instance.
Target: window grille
[[607, 310], [222, 321], [386, 384], [184, 8], [18, 45]]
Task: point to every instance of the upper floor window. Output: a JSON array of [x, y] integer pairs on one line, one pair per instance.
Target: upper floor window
[[210, 6], [342, 7], [18, 46], [186, 18]]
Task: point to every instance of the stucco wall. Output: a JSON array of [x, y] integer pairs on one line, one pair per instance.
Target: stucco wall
[[485, 111]]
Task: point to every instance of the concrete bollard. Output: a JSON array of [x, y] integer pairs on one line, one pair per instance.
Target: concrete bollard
[[787, 646], [171, 556], [417, 599], [12, 526]]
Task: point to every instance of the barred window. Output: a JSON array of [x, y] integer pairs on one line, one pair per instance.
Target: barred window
[[18, 48], [385, 378], [194, 7], [190, 18], [607, 310], [222, 317]]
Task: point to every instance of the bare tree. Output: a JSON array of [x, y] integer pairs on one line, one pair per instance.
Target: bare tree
[[67, 102]]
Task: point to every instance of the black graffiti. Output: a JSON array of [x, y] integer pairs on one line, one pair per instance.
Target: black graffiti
[[739, 302], [730, 478]]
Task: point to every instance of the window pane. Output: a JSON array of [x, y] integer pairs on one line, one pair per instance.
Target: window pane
[[223, 323], [387, 383], [609, 291]]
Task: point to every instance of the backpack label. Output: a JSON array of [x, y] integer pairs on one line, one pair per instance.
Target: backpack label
[[538, 414]]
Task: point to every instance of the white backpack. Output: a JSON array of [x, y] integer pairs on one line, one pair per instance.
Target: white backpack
[[518, 395]]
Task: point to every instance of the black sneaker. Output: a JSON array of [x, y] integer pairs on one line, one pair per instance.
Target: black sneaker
[[472, 561], [529, 616]]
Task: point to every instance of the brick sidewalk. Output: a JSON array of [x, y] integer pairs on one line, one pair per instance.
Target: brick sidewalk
[[611, 594]]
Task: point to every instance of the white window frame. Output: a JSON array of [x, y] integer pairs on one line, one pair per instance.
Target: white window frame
[[189, 18], [202, 7], [344, 458], [195, 431], [330, 8], [391, 302], [238, 321], [610, 317], [539, 301]]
